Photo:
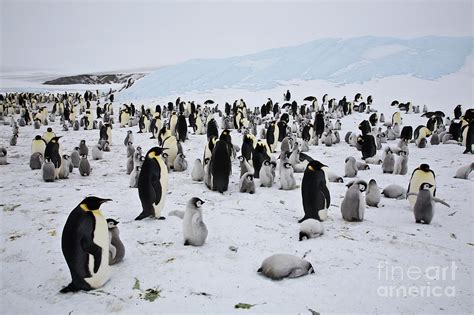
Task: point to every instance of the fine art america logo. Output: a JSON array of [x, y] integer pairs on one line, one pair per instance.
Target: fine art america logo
[[414, 281]]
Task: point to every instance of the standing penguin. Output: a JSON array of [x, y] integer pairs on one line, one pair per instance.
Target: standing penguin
[[272, 136], [83, 149], [38, 145], [246, 184], [197, 174], [353, 205], [128, 138], [401, 164], [422, 174], [52, 152], [97, 153], [75, 157], [36, 161], [65, 166], [116, 248], [48, 171], [194, 229], [388, 163], [84, 166], [315, 192], [350, 168], [266, 174], [153, 184], [287, 178], [85, 246], [220, 166], [134, 176], [372, 196], [424, 205], [180, 164]]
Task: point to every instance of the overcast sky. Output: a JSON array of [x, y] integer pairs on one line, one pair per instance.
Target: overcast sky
[[86, 36]]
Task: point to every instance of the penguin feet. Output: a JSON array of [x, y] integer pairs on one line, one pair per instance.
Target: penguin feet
[[161, 218]]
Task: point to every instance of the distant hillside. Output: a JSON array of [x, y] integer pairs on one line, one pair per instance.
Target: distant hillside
[[95, 79], [341, 61]]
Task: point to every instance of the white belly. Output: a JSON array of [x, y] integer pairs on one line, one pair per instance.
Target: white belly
[[164, 188], [101, 238]]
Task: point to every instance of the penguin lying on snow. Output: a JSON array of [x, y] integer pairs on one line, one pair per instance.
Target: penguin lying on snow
[[464, 171], [394, 191], [279, 266], [310, 228]]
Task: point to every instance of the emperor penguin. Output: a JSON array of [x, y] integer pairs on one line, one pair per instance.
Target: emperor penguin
[[401, 163], [422, 174], [48, 171], [394, 191], [173, 122], [310, 228], [38, 145], [424, 205], [84, 166], [350, 168], [197, 174], [246, 183], [116, 247], [353, 205], [128, 138], [272, 136], [266, 174], [194, 228], [220, 166], [48, 135], [388, 163], [130, 149], [36, 161], [315, 192], [287, 178], [134, 176], [97, 153], [83, 149], [180, 164], [85, 246], [65, 166], [153, 184], [464, 171], [75, 157], [245, 166], [372, 197], [279, 266], [52, 152]]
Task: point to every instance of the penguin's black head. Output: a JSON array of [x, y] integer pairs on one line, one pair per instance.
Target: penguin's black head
[[266, 163], [49, 129], [425, 186], [241, 158], [55, 139], [311, 269], [303, 236], [372, 182], [83, 141], [196, 202], [92, 203], [111, 223], [425, 167], [315, 165], [362, 186], [38, 137], [287, 165], [155, 151]]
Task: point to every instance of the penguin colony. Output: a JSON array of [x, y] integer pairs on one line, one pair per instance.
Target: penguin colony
[[275, 138]]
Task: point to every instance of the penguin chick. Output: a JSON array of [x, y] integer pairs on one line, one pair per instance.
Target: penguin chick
[[245, 166], [3, 156], [48, 171], [350, 168], [36, 161], [394, 191], [75, 157], [246, 184], [134, 177], [362, 166], [116, 248], [97, 153], [388, 163], [287, 178], [83, 149], [180, 164], [310, 228], [197, 173], [372, 196], [464, 171], [279, 266], [84, 166], [425, 203], [353, 205], [194, 229], [334, 178], [266, 174]]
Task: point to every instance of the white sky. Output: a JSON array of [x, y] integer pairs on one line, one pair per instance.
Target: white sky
[[86, 36]]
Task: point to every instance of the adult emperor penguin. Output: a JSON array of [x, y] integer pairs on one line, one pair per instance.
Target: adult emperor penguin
[[220, 166], [153, 184], [48, 135], [424, 205], [272, 136], [194, 229], [52, 152], [85, 245], [106, 133], [468, 137], [422, 174], [116, 248], [38, 145], [173, 122], [279, 266], [315, 192], [353, 205]]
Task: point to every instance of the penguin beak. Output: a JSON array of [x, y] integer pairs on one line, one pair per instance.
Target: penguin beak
[[104, 200]]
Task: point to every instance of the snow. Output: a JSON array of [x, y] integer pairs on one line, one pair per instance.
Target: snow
[[349, 259], [353, 60]]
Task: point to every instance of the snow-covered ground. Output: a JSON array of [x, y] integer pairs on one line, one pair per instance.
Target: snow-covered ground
[[357, 264]]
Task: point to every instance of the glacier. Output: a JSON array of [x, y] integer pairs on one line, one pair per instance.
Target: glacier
[[342, 61]]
